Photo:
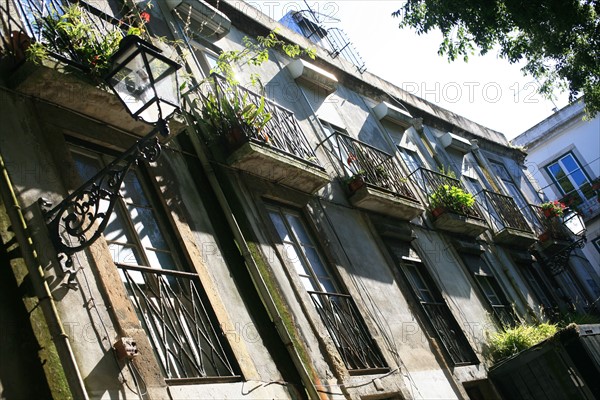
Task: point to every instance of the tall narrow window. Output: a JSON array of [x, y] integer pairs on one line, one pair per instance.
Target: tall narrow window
[[570, 178], [513, 190], [433, 304], [336, 309], [490, 288], [168, 298]]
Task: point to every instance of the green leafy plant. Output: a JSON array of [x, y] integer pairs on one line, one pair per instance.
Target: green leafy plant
[[230, 112], [228, 109], [553, 209], [512, 340], [70, 33], [451, 198]]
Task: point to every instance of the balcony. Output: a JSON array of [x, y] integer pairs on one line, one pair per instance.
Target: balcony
[[550, 232], [349, 333], [255, 135], [375, 182], [508, 223], [468, 221], [184, 334], [75, 64]]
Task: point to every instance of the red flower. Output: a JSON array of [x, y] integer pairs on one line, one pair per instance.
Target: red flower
[[145, 16], [351, 158]]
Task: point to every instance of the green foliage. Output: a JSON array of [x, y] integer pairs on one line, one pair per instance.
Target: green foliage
[[73, 34], [256, 52], [228, 107], [559, 41], [223, 110], [452, 198], [512, 340]]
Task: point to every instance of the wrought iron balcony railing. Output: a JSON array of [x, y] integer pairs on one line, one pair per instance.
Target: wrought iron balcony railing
[[376, 167], [428, 181], [222, 108], [503, 211], [552, 228], [348, 331], [450, 334], [187, 341], [38, 22]]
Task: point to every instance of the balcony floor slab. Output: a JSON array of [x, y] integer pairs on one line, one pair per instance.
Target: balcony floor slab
[[515, 237], [370, 198], [275, 166], [456, 223]]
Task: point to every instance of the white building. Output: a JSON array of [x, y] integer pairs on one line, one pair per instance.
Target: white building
[[564, 158]]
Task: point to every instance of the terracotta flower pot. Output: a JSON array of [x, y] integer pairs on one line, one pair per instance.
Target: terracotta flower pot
[[356, 184]]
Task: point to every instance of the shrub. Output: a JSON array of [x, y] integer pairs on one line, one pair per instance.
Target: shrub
[[452, 198], [512, 340]]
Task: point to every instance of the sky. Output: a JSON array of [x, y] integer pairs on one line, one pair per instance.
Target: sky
[[486, 89]]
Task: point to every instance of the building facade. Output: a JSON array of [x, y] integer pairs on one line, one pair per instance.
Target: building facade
[[315, 237], [563, 156]]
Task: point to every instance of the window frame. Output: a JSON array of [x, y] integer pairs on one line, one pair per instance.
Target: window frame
[[327, 304], [576, 188], [414, 263], [182, 280]]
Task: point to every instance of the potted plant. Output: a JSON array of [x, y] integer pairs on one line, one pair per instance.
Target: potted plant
[[229, 114], [450, 198], [356, 181], [552, 209]]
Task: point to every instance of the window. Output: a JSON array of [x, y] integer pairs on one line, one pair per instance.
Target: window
[[336, 309], [167, 297], [570, 179], [206, 55], [513, 190], [411, 159], [432, 303], [490, 288]]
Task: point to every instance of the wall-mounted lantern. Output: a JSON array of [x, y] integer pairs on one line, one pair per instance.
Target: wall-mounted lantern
[[146, 83]]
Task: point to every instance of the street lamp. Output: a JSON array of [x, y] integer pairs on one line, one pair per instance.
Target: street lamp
[[573, 222], [146, 83]]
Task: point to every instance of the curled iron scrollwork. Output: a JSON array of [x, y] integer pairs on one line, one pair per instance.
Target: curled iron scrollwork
[[81, 218]]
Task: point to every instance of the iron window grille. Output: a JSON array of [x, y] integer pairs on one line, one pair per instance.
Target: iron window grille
[[169, 300], [427, 294]]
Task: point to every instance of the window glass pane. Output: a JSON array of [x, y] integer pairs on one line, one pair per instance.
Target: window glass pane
[[160, 259], [579, 178], [115, 231], [298, 229], [293, 256], [279, 225], [147, 227], [125, 254], [555, 170], [309, 284], [569, 163], [315, 261], [418, 284], [132, 191], [566, 185]]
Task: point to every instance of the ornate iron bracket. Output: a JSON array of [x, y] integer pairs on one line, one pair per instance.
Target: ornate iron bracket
[[559, 261], [80, 219]]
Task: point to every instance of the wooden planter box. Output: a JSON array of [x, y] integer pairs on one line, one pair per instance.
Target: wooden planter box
[[368, 197], [451, 222], [273, 165], [515, 237]]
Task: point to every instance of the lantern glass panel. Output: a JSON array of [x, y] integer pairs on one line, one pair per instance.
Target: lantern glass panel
[[574, 223]]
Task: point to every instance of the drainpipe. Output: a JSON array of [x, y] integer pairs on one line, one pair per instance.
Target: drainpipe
[[43, 293], [259, 282]]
